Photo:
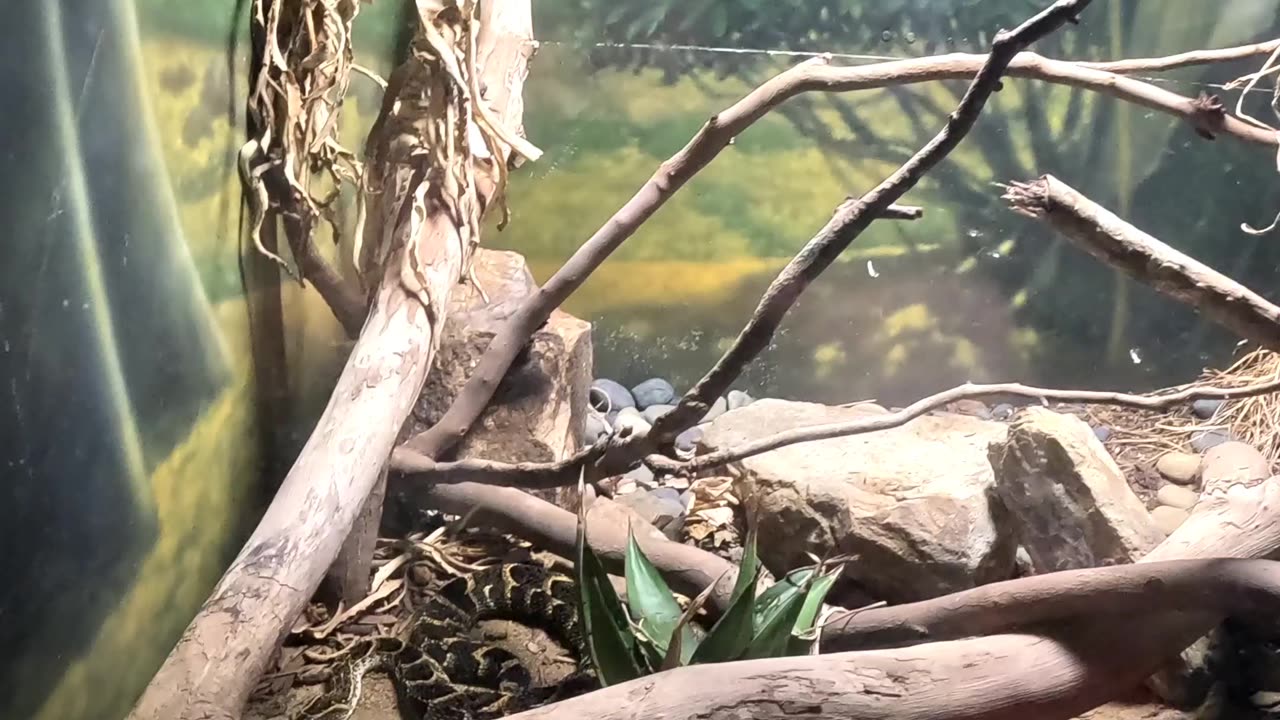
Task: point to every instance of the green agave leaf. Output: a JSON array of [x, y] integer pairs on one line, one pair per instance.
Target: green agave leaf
[[804, 631], [684, 644], [770, 600], [652, 604], [651, 655], [605, 625], [733, 632], [775, 635]]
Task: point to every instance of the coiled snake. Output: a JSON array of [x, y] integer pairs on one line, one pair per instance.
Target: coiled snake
[[442, 673]]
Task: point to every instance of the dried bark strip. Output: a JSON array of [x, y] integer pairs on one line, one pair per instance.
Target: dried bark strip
[[1115, 242]]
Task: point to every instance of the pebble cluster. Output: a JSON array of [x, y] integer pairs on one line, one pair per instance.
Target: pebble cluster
[[614, 406]]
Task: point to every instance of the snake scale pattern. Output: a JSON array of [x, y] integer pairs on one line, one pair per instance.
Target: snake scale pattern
[[441, 672]]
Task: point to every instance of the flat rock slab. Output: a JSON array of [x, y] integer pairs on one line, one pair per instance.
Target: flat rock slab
[[913, 504]]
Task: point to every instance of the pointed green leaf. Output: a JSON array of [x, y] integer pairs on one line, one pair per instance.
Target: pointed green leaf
[[804, 632], [684, 644], [607, 632], [652, 605], [768, 601], [734, 630], [775, 635], [749, 569]]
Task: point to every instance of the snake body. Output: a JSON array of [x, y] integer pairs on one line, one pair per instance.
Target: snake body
[[441, 672]]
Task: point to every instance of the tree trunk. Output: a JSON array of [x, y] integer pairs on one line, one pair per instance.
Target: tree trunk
[[229, 643]]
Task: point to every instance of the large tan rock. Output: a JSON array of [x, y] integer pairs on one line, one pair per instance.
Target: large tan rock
[[540, 407], [1072, 505], [1234, 462], [913, 504]]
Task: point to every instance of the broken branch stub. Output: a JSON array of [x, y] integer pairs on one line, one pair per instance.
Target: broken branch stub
[[1107, 237]]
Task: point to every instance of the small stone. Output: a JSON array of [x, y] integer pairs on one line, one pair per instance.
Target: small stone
[[1102, 432], [595, 427], [688, 440], [1175, 496], [420, 574], [737, 399], [631, 418], [1205, 409], [654, 391], [610, 397], [1233, 462], [642, 476], [1179, 467], [1003, 411], [1265, 700], [718, 408], [969, 406], [872, 409], [665, 492], [1206, 439], [679, 483], [653, 412], [1167, 519], [666, 513], [1023, 567]]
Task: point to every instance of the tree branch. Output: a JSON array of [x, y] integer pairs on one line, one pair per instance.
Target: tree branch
[[812, 76], [851, 218], [1186, 59], [967, 391], [848, 221], [1228, 586], [344, 301], [1115, 242]]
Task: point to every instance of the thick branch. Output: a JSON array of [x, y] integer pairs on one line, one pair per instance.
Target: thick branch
[[719, 131], [688, 569], [1242, 587], [1110, 239], [1005, 677], [346, 303], [1158, 607]]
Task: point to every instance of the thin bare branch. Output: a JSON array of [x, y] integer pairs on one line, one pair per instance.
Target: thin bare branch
[[875, 423], [531, 476], [1186, 59]]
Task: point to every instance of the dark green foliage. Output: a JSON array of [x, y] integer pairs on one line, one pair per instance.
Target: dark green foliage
[[650, 632]]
